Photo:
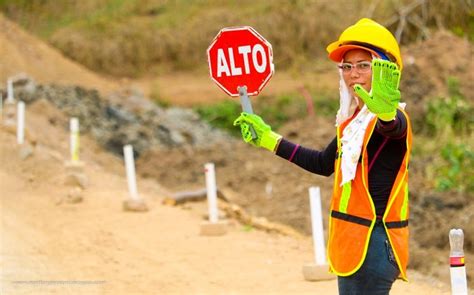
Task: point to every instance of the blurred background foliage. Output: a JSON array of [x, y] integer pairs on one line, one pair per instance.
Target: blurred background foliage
[[132, 38], [447, 132]]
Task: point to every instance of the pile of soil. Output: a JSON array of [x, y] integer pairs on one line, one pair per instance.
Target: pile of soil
[[133, 119], [428, 66], [24, 53]]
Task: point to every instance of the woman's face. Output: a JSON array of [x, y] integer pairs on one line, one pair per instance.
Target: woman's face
[[357, 75]]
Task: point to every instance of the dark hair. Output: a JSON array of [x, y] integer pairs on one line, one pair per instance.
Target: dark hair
[[383, 54]]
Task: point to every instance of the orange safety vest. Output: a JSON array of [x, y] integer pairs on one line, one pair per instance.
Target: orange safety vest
[[353, 214]]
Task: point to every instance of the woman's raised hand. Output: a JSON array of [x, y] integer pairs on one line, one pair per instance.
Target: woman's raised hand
[[384, 96]]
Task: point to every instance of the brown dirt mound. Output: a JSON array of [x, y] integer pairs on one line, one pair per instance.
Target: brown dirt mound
[[23, 53], [429, 64]]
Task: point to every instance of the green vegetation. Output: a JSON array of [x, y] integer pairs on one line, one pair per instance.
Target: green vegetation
[[247, 228], [326, 104], [156, 97], [275, 110], [139, 37], [453, 113], [447, 138], [221, 115], [456, 173]]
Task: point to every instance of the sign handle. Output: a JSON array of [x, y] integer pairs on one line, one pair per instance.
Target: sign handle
[[246, 106]]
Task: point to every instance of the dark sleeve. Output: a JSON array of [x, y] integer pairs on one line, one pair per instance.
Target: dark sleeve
[[319, 162], [397, 128]]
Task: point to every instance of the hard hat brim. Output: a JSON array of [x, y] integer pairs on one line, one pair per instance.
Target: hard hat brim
[[337, 50]]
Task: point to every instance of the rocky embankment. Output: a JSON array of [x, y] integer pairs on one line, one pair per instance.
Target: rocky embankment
[[124, 117]]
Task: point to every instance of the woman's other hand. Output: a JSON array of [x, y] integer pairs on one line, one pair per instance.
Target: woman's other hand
[[264, 136]]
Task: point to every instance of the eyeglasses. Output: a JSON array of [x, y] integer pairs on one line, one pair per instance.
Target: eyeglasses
[[361, 67]]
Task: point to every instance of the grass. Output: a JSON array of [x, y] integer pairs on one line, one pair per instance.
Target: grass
[[135, 37], [221, 115], [445, 141], [450, 114], [456, 172], [247, 228], [274, 110], [156, 97]]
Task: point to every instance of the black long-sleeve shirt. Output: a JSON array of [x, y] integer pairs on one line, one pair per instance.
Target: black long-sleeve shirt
[[386, 149]]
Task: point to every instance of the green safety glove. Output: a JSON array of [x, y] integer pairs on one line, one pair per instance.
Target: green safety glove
[[384, 96], [264, 136]]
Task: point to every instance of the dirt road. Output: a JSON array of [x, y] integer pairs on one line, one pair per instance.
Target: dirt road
[[49, 246]]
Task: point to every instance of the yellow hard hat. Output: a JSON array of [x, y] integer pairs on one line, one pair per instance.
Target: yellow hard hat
[[366, 32]]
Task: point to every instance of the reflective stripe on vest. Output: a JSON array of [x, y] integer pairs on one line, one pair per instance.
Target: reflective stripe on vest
[[404, 210], [346, 194]]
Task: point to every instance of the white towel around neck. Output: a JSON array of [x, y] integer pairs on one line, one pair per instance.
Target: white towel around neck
[[352, 140], [351, 143]]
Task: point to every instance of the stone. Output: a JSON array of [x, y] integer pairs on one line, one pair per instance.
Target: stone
[[25, 151], [314, 272], [76, 179], [74, 166], [9, 110], [218, 228], [75, 175], [134, 206], [74, 195]]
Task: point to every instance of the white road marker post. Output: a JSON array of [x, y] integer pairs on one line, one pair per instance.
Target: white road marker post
[[456, 262], [317, 270], [20, 127], [10, 96], [317, 225], [211, 192], [25, 149], [130, 170], [1, 106], [75, 175], [213, 227], [74, 139], [134, 202], [10, 108]]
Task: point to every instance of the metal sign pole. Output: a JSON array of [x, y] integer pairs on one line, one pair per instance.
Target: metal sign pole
[[244, 100], [246, 106]]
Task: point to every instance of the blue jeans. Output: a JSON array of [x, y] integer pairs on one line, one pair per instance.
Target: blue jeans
[[379, 270]]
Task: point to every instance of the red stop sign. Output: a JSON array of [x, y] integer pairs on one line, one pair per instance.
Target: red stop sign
[[240, 56]]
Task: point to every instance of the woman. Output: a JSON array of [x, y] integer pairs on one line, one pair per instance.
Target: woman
[[368, 224]]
